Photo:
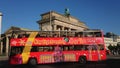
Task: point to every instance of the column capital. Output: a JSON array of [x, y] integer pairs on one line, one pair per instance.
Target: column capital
[[1, 14]]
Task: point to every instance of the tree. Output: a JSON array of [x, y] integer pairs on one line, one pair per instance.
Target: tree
[[110, 47], [118, 47]]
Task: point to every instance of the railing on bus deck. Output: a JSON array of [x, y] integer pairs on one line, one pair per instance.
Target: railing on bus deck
[[86, 33]]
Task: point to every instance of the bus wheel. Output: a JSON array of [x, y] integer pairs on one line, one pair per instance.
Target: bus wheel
[[82, 60], [32, 61]]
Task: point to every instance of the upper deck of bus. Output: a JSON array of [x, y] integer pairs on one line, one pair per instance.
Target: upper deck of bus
[[85, 33]]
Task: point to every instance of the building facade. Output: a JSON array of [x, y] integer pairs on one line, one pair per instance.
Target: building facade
[[53, 21], [5, 38], [111, 41]]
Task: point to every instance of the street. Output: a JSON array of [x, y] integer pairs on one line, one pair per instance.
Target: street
[[111, 62]]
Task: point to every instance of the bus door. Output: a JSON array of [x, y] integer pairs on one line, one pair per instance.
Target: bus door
[[92, 53]]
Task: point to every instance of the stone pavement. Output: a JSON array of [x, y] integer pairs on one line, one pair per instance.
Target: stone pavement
[[2, 58], [113, 56]]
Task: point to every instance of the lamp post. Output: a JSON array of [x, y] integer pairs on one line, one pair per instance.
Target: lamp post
[[0, 33], [0, 23]]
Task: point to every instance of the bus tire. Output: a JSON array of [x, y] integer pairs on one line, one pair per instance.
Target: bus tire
[[82, 60], [32, 61]]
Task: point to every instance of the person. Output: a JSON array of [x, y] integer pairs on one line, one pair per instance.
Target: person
[[58, 54], [55, 35]]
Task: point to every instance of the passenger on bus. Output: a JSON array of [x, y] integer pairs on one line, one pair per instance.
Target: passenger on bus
[[55, 35]]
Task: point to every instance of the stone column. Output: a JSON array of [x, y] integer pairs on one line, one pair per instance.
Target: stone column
[[40, 26], [7, 45], [15, 35], [55, 27], [69, 29], [1, 48], [63, 28]]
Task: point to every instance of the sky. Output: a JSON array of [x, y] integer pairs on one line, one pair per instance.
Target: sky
[[96, 14]]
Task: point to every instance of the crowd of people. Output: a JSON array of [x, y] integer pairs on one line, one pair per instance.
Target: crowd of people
[[114, 50]]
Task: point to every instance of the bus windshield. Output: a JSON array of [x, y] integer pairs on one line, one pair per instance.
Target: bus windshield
[[16, 50]]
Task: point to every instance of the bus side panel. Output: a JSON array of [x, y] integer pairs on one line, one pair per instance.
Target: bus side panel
[[42, 57], [103, 55], [16, 59], [80, 54], [69, 56]]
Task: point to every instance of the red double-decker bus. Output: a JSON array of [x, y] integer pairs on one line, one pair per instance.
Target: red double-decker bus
[[40, 47]]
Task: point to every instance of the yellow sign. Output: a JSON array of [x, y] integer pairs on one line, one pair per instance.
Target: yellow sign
[[28, 46]]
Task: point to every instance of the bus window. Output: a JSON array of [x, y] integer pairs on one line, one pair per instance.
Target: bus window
[[71, 47], [77, 47], [46, 49], [16, 50], [97, 34], [86, 47], [79, 34], [83, 47], [22, 35], [92, 47], [40, 49], [51, 48], [58, 49], [88, 34], [65, 48], [100, 47], [38, 35], [34, 49]]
